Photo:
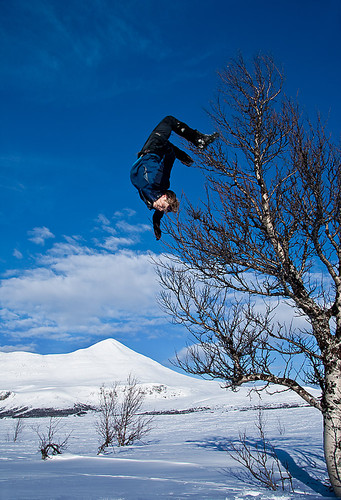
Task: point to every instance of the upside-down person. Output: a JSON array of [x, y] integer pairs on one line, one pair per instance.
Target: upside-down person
[[150, 174]]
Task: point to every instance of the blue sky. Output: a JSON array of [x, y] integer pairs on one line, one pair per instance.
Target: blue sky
[[82, 84]]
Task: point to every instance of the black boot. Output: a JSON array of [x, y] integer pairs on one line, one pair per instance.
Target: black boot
[[203, 140]]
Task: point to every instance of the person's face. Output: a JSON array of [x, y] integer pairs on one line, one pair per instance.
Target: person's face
[[162, 203]]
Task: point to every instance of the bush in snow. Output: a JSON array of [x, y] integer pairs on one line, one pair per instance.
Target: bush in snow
[[48, 442], [105, 424], [260, 460], [119, 419], [18, 427]]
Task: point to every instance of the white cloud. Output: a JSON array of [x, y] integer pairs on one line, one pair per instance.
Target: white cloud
[[132, 228], [113, 243], [125, 212], [103, 220], [18, 347], [38, 235], [116, 227], [76, 290], [17, 254]]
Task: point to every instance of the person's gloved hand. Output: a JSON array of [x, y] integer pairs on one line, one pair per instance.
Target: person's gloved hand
[[156, 223]]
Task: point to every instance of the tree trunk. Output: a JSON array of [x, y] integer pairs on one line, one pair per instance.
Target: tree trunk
[[332, 427]]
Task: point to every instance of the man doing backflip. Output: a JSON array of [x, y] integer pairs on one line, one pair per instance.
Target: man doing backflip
[[150, 174]]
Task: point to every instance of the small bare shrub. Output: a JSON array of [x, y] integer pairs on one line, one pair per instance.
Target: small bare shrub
[[120, 421], [105, 424], [17, 428], [130, 425], [48, 442], [260, 460], [280, 427]]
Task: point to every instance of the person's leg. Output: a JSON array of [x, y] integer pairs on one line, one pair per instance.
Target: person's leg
[[160, 135], [171, 124], [182, 129]]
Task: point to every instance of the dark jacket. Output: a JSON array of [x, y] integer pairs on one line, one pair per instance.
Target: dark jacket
[[150, 174]]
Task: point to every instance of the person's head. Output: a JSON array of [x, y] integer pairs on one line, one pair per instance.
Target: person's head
[[168, 202], [173, 202]]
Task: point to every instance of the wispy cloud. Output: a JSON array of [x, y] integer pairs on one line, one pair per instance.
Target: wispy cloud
[[125, 212], [83, 290], [48, 44], [131, 228], [112, 243], [17, 254], [39, 235], [118, 225], [19, 347]]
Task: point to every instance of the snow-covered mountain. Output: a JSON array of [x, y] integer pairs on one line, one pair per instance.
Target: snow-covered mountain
[[105, 361], [71, 381], [64, 380]]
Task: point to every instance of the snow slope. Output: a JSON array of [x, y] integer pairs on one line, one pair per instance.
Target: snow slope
[[63, 380]]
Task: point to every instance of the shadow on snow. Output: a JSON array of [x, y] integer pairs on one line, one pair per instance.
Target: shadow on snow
[[298, 469]]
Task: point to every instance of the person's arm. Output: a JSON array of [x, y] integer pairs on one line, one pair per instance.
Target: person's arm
[[157, 216]]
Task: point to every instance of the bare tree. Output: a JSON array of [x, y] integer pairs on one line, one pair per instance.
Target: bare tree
[[267, 233], [120, 420]]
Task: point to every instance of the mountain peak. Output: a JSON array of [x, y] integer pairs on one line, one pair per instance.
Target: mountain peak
[[65, 380], [107, 361]]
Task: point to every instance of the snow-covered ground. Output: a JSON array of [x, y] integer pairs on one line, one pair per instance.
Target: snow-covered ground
[[184, 456]]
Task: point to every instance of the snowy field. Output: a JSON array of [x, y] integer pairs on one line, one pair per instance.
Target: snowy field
[[183, 457]]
